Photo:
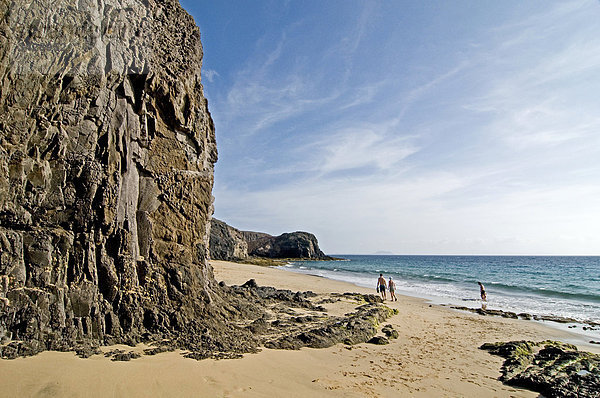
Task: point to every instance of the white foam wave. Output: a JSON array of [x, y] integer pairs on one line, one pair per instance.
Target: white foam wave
[[456, 294]]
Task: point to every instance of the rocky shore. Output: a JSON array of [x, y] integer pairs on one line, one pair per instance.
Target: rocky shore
[[588, 325], [421, 350], [554, 369], [271, 318]]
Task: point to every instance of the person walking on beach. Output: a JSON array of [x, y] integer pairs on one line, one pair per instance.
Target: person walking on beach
[[392, 289], [381, 286], [482, 292]]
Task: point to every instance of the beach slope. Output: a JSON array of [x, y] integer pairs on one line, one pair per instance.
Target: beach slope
[[436, 354]]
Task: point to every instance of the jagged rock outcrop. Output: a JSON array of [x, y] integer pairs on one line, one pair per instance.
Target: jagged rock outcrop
[[255, 239], [287, 245], [226, 242], [551, 368], [291, 331], [106, 171]]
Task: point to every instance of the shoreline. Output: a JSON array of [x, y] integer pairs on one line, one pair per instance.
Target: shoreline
[[436, 354], [586, 332], [571, 335]]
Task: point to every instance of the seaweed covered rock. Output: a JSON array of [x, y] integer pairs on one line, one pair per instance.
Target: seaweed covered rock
[[390, 332], [357, 327], [551, 368], [379, 340]]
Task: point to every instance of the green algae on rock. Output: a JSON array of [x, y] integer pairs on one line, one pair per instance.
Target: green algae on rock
[[552, 368]]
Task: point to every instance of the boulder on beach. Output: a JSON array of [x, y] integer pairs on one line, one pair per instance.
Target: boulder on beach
[[551, 368]]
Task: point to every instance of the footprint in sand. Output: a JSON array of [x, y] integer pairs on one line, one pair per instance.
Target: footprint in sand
[[49, 390]]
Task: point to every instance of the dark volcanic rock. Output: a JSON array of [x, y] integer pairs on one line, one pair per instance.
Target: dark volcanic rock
[[379, 340], [158, 350], [390, 332], [357, 327], [288, 245], [508, 314], [106, 171], [121, 355], [551, 368], [226, 243]]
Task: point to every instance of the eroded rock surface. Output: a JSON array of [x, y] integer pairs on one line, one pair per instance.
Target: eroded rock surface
[[551, 368], [292, 320], [226, 242], [229, 243], [592, 325], [106, 171], [302, 245]]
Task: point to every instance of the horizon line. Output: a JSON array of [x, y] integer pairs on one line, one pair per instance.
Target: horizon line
[[467, 255]]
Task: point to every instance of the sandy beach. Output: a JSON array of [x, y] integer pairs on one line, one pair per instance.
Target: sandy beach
[[436, 354]]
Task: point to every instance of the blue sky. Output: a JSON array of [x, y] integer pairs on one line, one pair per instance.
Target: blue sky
[[414, 127]]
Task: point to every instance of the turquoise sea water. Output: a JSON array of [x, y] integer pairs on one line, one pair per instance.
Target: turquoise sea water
[[539, 285]]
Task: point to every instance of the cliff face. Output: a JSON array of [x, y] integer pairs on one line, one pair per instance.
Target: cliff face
[[288, 245], [226, 242], [106, 171], [255, 240]]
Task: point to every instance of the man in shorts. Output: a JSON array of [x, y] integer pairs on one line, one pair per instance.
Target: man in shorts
[[381, 286]]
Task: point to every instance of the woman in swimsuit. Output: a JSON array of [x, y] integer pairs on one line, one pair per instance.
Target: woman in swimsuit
[[482, 292], [392, 288]]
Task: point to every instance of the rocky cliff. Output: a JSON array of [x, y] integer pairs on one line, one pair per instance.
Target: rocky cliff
[[228, 243], [106, 171], [288, 245]]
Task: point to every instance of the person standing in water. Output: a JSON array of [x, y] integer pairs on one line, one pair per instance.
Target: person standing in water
[[392, 289], [482, 292], [381, 286]]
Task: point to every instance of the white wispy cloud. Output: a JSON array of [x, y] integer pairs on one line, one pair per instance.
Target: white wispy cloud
[[262, 96], [410, 97], [210, 74], [502, 156], [542, 79], [362, 146]]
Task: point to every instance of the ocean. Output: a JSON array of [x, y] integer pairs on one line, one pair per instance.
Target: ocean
[[539, 285]]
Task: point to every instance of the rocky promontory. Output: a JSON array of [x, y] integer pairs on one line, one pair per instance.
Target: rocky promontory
[[228, 243], [298, 244]]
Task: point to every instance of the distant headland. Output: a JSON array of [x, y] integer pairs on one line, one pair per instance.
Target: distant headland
[[229, 243]]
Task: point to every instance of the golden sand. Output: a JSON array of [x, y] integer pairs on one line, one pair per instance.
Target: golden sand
[[436, 355]]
